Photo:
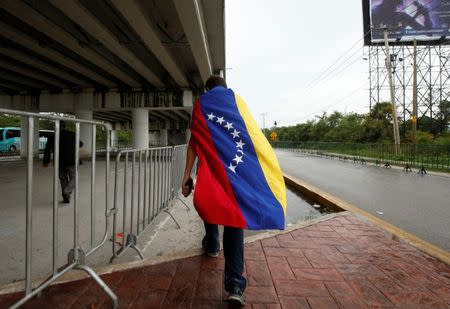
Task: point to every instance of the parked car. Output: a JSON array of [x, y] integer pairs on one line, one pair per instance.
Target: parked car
[[10, 139]]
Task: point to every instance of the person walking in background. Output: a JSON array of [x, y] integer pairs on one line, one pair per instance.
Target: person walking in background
[[66, 159], [239, 183]]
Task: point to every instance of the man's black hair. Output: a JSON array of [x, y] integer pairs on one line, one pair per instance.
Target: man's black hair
[[214, 81]]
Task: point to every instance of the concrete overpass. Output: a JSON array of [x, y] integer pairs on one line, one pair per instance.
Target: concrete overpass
[[134, 63]]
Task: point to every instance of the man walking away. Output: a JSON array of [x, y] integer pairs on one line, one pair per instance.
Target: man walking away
[[239, 181], [66, 159]]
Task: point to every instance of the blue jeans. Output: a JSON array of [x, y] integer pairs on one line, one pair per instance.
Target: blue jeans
[[233, 250]]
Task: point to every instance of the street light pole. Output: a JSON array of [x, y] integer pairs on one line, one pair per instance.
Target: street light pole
[[391, 87]]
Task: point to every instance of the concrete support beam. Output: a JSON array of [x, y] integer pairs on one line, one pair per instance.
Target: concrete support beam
[[27, 41], [31, 73], [190, 14], [38, 21], [166, 114], [135, 16], [7, 85], [25, 82], [182, 115], [81, 16], [140, 128], [38, 64]]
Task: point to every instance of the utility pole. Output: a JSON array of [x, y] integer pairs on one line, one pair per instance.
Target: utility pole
[[264, 121], [391, 86], [414, 113]]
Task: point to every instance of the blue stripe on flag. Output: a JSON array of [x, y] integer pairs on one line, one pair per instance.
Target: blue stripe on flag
[[255, 199]]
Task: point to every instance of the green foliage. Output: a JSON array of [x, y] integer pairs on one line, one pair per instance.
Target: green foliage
[[125, 136], [443, 139], [424, 137], [374, 127], [9, 121]]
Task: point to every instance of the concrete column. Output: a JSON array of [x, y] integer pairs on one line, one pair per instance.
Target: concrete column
[[85, 133], [187, 98], [24, 137], [114, 140], [188, 135], [140, 128]]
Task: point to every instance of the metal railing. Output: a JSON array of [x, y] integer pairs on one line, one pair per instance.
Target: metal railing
[[436, 157], [151, 179], [77, 255]]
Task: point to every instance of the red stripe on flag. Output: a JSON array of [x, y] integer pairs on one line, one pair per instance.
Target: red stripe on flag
[[213, 198]]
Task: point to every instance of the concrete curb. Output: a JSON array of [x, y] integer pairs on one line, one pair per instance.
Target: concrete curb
[[337, 204]]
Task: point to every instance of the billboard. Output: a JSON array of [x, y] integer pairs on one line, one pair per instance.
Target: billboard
[[425, 20]]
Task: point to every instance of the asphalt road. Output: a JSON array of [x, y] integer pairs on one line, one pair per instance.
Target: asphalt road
[[418, 204]]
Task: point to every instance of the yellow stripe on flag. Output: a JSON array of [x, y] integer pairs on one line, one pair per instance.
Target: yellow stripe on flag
[[266, 156]]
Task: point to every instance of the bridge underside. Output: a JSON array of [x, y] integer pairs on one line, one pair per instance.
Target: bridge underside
[[105, 59]]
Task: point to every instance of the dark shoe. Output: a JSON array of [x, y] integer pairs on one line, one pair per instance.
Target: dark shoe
[[66, 198], [207, 252], [236, 297]]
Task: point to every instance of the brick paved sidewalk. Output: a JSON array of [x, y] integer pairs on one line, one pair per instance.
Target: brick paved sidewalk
[[343, 262]]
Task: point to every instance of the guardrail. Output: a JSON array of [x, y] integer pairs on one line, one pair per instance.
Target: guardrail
[[77, 255], [146, 192], [436, 157]]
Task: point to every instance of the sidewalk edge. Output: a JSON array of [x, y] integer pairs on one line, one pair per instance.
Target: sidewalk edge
[[76, 275], [337, 204]]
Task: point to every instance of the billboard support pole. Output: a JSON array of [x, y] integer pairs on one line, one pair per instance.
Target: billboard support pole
[[414, 115], [391, 86]]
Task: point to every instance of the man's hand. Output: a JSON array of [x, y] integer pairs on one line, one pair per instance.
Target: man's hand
[[186, 186]]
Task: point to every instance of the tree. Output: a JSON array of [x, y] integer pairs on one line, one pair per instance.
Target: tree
[[9, 121], [378, 124]]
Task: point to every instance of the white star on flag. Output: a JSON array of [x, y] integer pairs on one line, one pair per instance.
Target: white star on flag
[[240, 151], [211, 116], [232, 168], [235, 133], [220, 120], [240, 144], [229, 125], [238, 159]]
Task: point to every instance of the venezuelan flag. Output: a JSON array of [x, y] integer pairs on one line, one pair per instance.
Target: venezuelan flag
[[239, 180]]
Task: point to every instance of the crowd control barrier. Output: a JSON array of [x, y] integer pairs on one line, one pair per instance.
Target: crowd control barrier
[[77, 255], [148, 180]]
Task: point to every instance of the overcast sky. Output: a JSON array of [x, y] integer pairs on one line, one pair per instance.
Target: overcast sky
[[275, 50]]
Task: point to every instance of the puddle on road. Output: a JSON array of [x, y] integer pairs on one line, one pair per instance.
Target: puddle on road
[[300, 208]]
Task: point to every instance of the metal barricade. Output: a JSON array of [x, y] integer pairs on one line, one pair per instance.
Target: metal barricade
[[179, 162], [77, 255], [146, 192]]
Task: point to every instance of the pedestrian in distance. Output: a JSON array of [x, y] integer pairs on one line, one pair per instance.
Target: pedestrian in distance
[[239, 183], [66, 159]]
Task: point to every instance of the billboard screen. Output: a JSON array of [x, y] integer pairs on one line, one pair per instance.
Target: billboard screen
[[424, 20]]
